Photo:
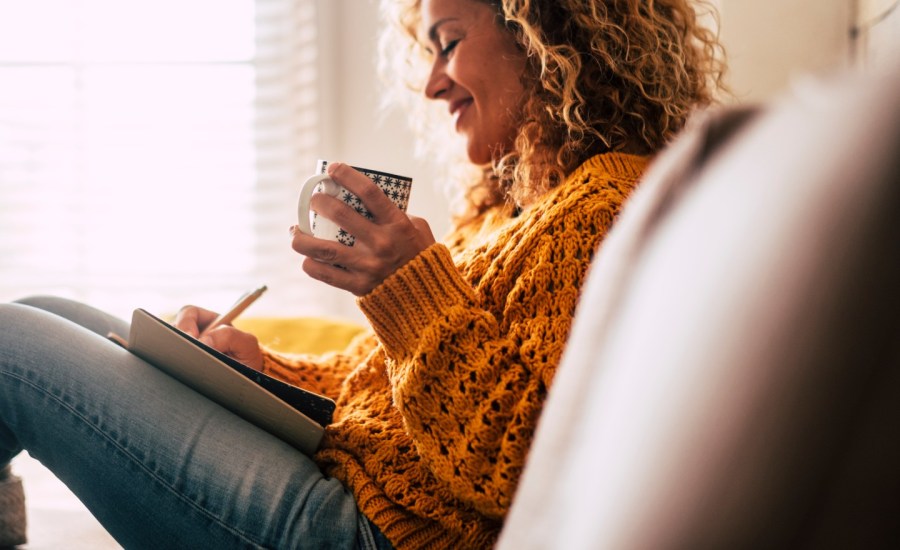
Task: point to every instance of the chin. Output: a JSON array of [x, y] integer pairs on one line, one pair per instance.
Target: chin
[[479, 155]]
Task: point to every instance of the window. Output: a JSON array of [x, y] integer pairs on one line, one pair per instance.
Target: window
[[150, 149]]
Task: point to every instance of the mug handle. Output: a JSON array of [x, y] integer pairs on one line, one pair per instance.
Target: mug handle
[[306, 193]]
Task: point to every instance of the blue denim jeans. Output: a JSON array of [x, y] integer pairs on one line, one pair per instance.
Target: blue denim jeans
[[158, 464]]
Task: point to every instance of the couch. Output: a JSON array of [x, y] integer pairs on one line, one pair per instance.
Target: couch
[[732, 379]]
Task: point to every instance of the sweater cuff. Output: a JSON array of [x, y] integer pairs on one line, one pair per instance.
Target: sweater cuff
[[413, 297], [271, 365]]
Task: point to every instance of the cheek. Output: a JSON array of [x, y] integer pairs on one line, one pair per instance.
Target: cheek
[[507, 104], [505, 85]]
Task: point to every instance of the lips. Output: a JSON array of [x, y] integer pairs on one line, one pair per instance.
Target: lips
[[458, 107]]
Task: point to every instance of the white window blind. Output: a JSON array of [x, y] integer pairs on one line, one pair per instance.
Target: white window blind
[[150, 149]]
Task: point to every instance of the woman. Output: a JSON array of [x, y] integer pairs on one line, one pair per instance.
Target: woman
[[559, 105]]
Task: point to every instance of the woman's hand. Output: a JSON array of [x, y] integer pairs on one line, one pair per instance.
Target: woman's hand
[[234, 343], [383, 244]]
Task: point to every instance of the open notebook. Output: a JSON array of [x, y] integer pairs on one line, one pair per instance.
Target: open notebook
[[293, 414]]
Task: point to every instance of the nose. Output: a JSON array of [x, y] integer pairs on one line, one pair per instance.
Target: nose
[[438, 82]]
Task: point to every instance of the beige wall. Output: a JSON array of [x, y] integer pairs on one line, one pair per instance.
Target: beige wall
[[770, 43], [878, 23]]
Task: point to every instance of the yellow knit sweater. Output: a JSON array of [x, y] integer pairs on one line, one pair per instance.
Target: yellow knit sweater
[[436, 408]]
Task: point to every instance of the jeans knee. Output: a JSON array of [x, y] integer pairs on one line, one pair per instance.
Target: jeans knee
[[42, 301], [10, 315], [21, 323]]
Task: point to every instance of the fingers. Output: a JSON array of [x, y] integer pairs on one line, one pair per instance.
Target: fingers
[[333, 263], [379, 237], [362, 267], [190, 319], [386, 235], [377, 203], [240, 345], [422, 227], [345, 216], [331, 252], [358, 283], [383, 244]]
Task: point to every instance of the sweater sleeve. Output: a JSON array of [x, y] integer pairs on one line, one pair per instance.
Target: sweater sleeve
[[470, 380]]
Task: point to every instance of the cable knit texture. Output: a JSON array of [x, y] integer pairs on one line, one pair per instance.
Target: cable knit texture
[[437, 407]]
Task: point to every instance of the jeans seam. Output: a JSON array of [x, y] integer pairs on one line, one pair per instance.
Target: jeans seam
[[365, 537], [128, 455]]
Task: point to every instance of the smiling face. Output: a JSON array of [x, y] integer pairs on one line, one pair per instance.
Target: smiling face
[[476, 67]]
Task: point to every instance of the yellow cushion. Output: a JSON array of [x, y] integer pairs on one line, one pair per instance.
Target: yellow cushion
[[300, 334]]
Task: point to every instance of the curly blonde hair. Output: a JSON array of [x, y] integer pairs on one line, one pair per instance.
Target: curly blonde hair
[[601, 75]]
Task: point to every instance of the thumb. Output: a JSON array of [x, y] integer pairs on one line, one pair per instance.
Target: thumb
[[421, 226]]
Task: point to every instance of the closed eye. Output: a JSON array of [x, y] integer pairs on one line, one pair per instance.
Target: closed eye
[[446, 50]]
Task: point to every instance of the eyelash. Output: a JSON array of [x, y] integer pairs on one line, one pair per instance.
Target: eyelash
[[446, 50]]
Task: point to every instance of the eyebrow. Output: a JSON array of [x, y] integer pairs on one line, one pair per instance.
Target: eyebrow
[[432, 32]]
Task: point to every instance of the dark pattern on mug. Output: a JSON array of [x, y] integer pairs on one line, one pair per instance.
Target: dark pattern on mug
[[396, 189]]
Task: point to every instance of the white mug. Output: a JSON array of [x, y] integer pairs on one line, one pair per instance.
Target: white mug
[[396, 188]]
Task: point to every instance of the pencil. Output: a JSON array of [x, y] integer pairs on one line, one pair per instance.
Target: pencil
[[238, 308]]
